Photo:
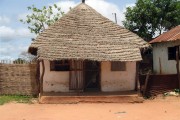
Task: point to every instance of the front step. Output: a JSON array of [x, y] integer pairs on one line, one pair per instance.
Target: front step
[[90, 99]]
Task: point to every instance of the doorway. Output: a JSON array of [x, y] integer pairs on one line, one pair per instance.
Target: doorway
[[92, 76]]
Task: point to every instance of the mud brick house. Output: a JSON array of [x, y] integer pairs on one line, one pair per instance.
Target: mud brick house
[[86, 52]]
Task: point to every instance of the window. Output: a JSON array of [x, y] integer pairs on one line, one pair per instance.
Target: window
[[62, 65], [171, 53], [118, 66]]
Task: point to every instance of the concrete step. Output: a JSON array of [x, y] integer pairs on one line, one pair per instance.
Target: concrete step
[[90, 99]]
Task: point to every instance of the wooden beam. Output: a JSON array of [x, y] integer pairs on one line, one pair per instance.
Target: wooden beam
[[177, 64]]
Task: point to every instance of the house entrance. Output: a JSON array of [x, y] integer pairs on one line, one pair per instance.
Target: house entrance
[[91, 76], [84, 76]]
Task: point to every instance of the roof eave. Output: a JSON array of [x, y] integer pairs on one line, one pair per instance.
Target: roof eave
[[154, 42]]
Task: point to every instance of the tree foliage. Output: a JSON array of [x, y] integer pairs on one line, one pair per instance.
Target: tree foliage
[[39, 19], [151, 17], [19, 60], [27, 56]]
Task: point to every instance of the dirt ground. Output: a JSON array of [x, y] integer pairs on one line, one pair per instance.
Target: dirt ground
[[157, 109]]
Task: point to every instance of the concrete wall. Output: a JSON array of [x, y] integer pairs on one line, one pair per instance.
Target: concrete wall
[[55, 81], [160, 56], [118, 80]]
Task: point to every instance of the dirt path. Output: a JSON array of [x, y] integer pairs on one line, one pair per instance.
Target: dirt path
[[158, 109]]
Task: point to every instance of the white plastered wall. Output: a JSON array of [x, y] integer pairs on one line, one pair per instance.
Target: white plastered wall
[[54, 81], [58, 81], [118, 80], [160, 58]]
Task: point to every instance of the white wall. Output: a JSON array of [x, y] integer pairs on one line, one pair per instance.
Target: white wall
[[54, 81], [118, 80], [160, 55]]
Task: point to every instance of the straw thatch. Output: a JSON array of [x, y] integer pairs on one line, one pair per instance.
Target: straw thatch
[[85, 34]]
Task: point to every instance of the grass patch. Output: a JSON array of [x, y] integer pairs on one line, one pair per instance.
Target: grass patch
[[15, 98]]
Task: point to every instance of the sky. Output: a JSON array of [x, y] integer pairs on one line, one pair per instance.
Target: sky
[[15, 36]]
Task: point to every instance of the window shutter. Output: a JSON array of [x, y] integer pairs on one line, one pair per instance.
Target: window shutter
[[62, 65], [118, 66]]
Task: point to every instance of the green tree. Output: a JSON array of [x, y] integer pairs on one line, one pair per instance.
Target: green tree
[[39, 19], [27, 56], [151, 17], [20, 61]]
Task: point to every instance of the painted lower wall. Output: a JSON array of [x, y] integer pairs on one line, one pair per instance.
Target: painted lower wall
[[110, 80], [118, 80], [160, 58], [55, 81]]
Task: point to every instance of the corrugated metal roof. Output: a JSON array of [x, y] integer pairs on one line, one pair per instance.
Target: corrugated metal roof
[[171, 35]]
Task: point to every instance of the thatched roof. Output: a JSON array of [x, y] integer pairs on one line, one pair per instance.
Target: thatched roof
[[85, 34]]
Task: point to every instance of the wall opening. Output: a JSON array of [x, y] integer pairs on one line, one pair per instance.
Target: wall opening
[[92, 76]]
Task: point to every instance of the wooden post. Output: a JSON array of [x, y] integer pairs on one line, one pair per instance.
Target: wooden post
[[160, 67], [137, 76], [100, 64], [177, 64], [146, 83], [76, 75], [70, 73], [115, 17], [84, 83], [38, 76], [42, 77]]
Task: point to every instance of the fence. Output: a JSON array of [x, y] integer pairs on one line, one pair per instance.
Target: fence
[[18, 61], [158, 84], [18, 78]]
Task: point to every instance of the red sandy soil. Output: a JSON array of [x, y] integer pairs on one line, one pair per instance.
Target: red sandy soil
[[156, 109]]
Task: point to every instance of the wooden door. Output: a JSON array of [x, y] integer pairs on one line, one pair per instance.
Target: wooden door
[[76, 75]]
